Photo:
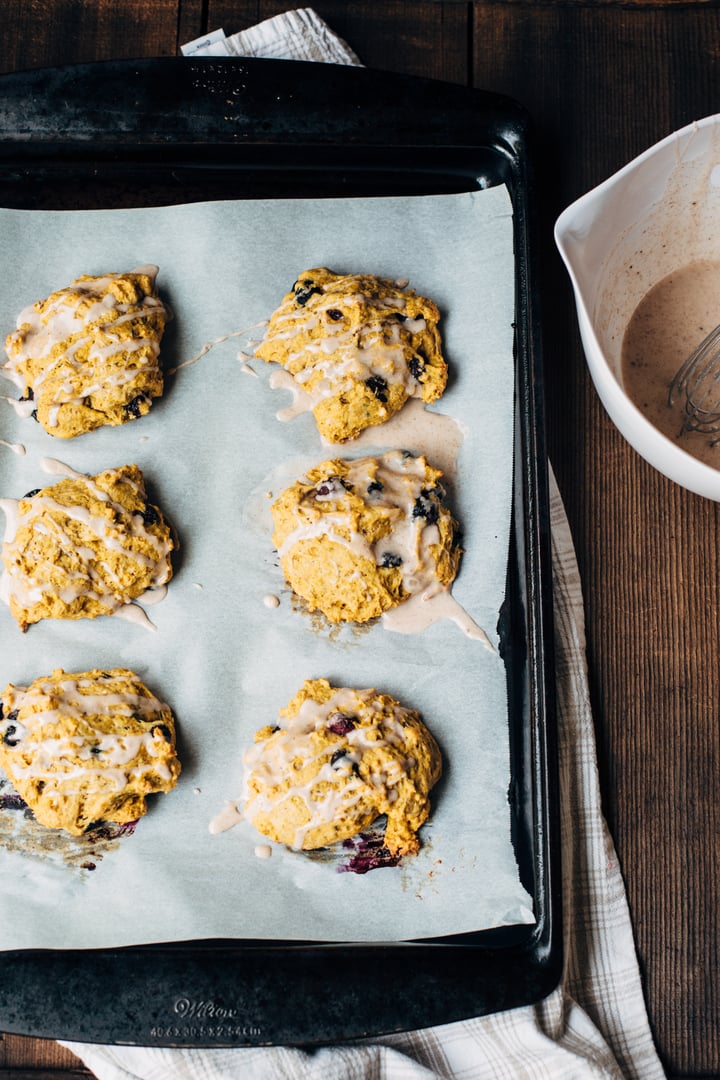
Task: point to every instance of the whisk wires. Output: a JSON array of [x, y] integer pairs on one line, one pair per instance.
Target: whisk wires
[[699, 381]]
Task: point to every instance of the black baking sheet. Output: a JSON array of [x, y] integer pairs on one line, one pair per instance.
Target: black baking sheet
[[183, 130]]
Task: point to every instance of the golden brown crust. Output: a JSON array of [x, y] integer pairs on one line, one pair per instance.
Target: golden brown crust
[[85, 546], [87, 355], [357, 538], [340, 759], [87, 747], [359, 345]]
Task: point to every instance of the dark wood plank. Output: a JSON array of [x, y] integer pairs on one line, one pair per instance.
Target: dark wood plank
[[79, 31], [426, 38], [63, 1073], [24, 1058], [603, 84]]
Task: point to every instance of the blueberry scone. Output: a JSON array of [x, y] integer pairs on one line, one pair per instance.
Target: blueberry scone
[[339, 759], [359, 346], [359, 537], [87, 747], [82, 547], [88, 354]]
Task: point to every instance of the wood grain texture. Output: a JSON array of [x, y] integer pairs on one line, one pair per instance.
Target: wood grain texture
[[602, 85], [38, 33], [37, 1059], [426, 39]]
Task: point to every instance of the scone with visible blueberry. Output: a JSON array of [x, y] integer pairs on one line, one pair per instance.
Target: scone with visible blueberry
[[359, 345], [87, 355], [87, 747], [82, 547], [358, 537], [339, 759]]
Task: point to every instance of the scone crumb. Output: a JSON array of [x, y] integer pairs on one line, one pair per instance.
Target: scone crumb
[[87, 747], [339, 759], [358, 346]]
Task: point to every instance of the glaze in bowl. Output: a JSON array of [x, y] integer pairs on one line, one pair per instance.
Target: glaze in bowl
[[657, 214]]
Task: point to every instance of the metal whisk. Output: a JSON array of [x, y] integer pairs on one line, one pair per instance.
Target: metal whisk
[[699, 380]]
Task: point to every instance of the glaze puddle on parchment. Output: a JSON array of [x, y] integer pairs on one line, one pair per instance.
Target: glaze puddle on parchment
[[358, 855], [416, 428], [21, 833]]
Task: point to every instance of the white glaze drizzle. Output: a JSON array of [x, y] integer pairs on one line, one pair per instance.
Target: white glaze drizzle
[[302, 402], [425, 609], [211, 345], [268, 764], [87, 581], [344, 352], [45, 705], [63, 328], [225, 819], [17, 448], [403, 479], [421, 430], [24, 407]]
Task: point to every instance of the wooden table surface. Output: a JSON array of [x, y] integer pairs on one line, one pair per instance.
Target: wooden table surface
[[603, 80]]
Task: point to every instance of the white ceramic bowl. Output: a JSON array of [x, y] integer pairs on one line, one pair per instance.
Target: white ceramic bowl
[[657, 214]]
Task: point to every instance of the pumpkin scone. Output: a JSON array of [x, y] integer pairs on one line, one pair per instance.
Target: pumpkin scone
[[339, 759], [359, 346], [82, 547], [87, 747], [88, 355], [359, 537]]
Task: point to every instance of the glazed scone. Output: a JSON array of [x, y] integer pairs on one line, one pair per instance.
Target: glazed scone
[[88, 354], [359, 346], [340, 759], [82, 547], [87, 747], [359, 537]]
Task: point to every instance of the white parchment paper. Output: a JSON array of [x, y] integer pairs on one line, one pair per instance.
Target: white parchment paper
[[211, 450]]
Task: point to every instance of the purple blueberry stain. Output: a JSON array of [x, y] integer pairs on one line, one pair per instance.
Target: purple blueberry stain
[[111, 830], [368, 853], [340, 724], [330, 487], [12, 801]]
